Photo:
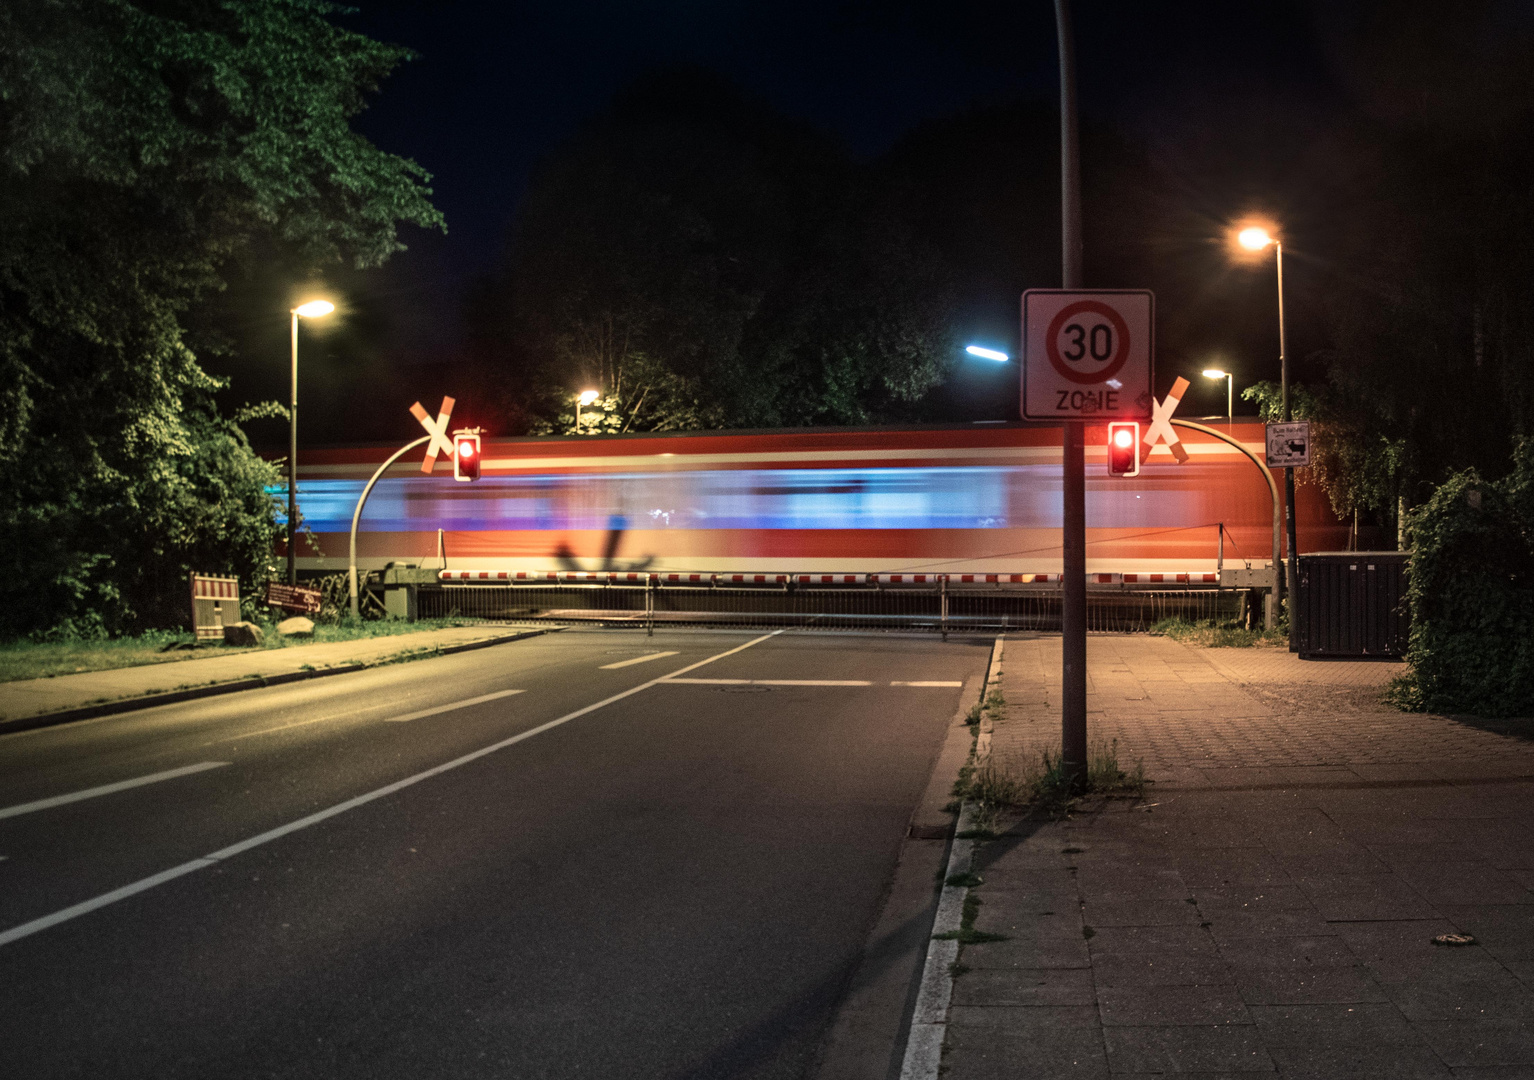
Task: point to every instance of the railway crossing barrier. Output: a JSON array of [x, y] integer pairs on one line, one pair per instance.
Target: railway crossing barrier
[[940, 603]]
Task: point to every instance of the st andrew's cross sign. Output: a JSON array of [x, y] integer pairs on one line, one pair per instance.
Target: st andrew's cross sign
[[1088, 354]]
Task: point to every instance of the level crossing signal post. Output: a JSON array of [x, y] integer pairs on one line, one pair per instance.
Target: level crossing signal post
[[463, 448]]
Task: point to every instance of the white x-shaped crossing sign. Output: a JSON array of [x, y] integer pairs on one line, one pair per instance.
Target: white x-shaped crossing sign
[[437, 429], [1161, 423]]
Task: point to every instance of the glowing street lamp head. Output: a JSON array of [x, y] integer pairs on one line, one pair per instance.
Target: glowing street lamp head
[[314, 309], [588, 396], [1215, 373], [987, 354], [1253, 238]]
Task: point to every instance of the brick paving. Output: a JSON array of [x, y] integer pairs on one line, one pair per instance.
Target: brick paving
[[1197, 716], [1269, 906]]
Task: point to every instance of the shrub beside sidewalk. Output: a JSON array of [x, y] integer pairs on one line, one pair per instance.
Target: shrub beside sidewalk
[[1471, 595]]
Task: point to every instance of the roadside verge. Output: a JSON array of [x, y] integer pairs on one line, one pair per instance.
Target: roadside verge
[[34, 703]]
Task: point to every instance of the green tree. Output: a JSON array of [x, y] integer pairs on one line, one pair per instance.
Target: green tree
[[144, 149], [704, 262]]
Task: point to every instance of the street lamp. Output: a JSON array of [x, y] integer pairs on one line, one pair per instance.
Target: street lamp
[[1256, 238], [987, 354], [313, 309], [586, 398], [1230, 390]]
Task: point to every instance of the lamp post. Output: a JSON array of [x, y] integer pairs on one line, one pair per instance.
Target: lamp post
[[314, 309], [586, 397], [1230, 391], [1254, 238]]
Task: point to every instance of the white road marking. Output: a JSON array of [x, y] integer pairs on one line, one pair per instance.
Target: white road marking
[[926, 684], [108, 789], [771, 682], [464, 704], [636, 660], [27, 929]]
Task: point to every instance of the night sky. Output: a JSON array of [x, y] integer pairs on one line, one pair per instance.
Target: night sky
[[499, 85]]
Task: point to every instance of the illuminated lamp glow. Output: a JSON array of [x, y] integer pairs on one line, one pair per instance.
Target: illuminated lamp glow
[[314, 309], [1123, 438], [465, 449], [988, 354], [1215, 373], [588, 396], [1254, 239]]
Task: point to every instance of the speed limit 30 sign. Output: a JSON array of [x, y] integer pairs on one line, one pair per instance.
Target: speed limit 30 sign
[[1087, 355]]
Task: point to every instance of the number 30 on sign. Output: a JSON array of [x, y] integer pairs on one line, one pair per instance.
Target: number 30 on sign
[[1088, 354]]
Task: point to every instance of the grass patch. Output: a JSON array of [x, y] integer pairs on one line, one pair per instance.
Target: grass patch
[[1221, 635], [966, 934], [26, 659], [996, 785]]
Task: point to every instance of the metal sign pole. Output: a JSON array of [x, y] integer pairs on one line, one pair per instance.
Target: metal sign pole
[[1073, 607]]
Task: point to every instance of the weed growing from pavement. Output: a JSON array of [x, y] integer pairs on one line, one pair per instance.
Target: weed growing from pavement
[[1041, 785], [966, 934], [964, 881], [1221, 635]]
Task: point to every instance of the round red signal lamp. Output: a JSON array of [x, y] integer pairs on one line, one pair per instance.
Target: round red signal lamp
[[1123, 438], [465, 449]]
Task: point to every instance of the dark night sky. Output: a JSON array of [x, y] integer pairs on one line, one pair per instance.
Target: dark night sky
[[499, 85]]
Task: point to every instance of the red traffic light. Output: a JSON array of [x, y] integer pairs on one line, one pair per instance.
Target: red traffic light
[[1124, 449], [466, 455]]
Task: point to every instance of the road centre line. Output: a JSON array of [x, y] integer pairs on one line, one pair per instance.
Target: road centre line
[[926, 684], [464, 704], [27, 929], [109, 789], [636, 660]]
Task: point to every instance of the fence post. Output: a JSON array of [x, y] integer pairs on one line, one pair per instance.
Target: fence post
[[943, 584], [649, 605]]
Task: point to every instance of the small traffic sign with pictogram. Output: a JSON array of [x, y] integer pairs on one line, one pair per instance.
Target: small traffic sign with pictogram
[[1289, 445], [1088, 354]]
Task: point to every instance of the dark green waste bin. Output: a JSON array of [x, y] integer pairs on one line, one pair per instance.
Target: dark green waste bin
[[1351, 605]]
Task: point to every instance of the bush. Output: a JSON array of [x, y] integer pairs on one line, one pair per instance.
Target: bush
[[1471, 596]]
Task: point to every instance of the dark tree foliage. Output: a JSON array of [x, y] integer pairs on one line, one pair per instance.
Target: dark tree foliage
[[1421, 209], [703, 262], [143, 148]]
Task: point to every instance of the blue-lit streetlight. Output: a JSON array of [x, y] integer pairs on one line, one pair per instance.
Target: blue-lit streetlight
[[987, 354]]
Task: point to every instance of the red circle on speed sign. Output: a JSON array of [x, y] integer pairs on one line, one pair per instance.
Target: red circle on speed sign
[[1102, 344]]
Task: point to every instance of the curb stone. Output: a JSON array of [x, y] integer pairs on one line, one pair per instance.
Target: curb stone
[[929, 1019], [255, 682]]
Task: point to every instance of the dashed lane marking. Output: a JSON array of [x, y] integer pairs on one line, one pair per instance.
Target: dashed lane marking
[[636, 660], [929, 683], [109, 789]]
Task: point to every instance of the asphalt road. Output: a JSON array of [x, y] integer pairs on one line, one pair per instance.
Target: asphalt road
[[676, 883]]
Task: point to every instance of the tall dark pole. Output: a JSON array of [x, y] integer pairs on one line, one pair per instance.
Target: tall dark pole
[[1073, 585], [1291, 577], [293, 461]]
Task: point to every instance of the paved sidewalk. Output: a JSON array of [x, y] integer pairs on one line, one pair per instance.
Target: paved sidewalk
[[1270, 905], [22, 701]]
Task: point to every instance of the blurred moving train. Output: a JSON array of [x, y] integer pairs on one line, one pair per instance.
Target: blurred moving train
[[941, 500]]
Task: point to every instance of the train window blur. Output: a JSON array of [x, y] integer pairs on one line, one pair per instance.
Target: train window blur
[[972, 497]]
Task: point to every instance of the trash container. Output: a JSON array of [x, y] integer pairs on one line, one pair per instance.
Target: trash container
[[1351, 605]]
